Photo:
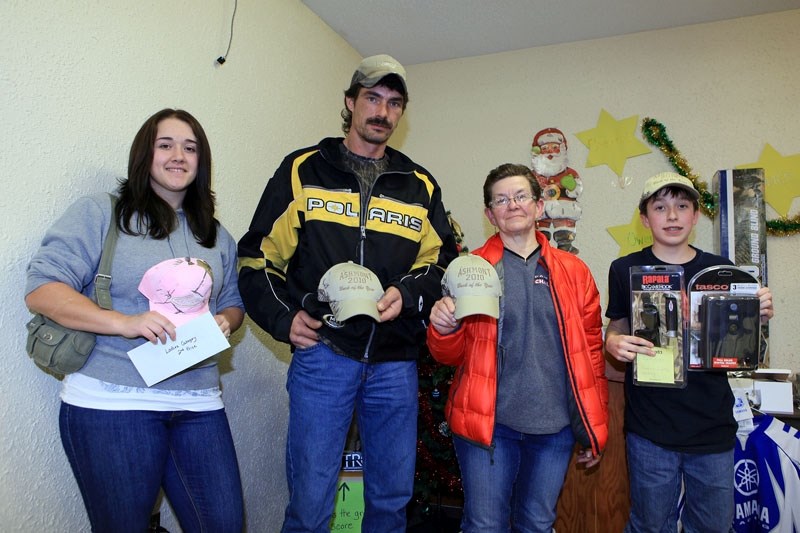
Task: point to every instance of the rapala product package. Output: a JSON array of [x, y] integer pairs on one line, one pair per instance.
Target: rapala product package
[[657, 315], [725, 323]]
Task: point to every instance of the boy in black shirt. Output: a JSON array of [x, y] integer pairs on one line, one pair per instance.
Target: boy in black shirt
[[673, 436]]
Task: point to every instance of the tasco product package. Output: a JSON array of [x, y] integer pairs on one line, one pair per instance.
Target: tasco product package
[[725, 323], [657, 315]]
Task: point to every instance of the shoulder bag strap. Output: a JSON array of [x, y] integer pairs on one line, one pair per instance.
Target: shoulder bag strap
[[102, 281]]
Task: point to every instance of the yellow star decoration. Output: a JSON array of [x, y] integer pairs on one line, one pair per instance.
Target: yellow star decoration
[[782, 175], [612, 141], [633, 236]]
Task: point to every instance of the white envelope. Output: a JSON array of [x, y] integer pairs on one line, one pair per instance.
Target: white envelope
[[195, 341]]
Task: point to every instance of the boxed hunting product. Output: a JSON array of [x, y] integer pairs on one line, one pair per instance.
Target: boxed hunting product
[[724, 324], [741, 226], [657, 315]]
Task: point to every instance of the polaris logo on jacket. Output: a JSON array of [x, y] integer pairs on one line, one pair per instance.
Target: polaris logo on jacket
[[350, 210]]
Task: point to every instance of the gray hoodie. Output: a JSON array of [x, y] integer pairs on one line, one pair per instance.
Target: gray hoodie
[[70, 253]]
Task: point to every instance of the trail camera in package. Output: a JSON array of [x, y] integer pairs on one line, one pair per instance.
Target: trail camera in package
[[725, 323], [657, 315]]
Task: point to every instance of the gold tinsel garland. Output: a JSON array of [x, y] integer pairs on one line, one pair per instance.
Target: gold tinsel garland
[[656, 134]]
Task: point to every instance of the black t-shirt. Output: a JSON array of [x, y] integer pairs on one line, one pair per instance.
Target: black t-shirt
[[695, 419]]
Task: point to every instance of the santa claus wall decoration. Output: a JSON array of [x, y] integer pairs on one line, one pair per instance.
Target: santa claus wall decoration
[[561, 187]]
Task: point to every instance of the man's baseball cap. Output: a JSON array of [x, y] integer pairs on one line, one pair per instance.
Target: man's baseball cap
[[373, 69], [667, 179], [178, 288], [351, 290], [472, 282]]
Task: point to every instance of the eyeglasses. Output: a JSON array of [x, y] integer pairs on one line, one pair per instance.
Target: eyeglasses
[[519, 199]]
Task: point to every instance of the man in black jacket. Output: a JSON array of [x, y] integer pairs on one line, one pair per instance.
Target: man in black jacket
[[351, 199]]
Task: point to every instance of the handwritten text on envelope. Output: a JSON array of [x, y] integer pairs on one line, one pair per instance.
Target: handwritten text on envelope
[[195, 341]]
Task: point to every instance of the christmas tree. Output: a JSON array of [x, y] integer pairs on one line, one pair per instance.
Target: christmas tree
[[437, 477]]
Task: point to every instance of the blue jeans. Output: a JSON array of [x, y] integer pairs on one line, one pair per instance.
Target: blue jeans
[[324, 388], [515, 485], [655, 481], [122, 458]]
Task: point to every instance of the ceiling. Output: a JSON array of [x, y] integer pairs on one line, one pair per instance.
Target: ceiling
[[420, 31]]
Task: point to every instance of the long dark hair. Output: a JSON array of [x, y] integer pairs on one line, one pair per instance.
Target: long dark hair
[[154, 216]]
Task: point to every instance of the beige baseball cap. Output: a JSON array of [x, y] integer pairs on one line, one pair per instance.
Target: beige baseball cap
[[472, 282], [351, 290], [373, 69], [665, 179]]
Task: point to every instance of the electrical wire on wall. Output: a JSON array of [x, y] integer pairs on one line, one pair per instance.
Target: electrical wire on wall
[[221, 59]]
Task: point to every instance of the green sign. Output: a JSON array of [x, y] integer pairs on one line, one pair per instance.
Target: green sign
[[349, 508]]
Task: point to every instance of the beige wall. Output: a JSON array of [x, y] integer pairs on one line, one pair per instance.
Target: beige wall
[[723, 91], [79, 77]]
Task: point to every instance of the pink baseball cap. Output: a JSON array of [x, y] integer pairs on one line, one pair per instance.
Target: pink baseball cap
[[178, 288]]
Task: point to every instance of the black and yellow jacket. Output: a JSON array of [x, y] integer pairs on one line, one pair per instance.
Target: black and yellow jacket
[[310, 218]]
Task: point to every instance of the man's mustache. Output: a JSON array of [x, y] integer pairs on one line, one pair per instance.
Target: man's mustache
[[377, 121]]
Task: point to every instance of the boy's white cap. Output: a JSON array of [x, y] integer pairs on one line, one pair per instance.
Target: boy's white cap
[[666, 179], [351, 290], [472, 282]]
